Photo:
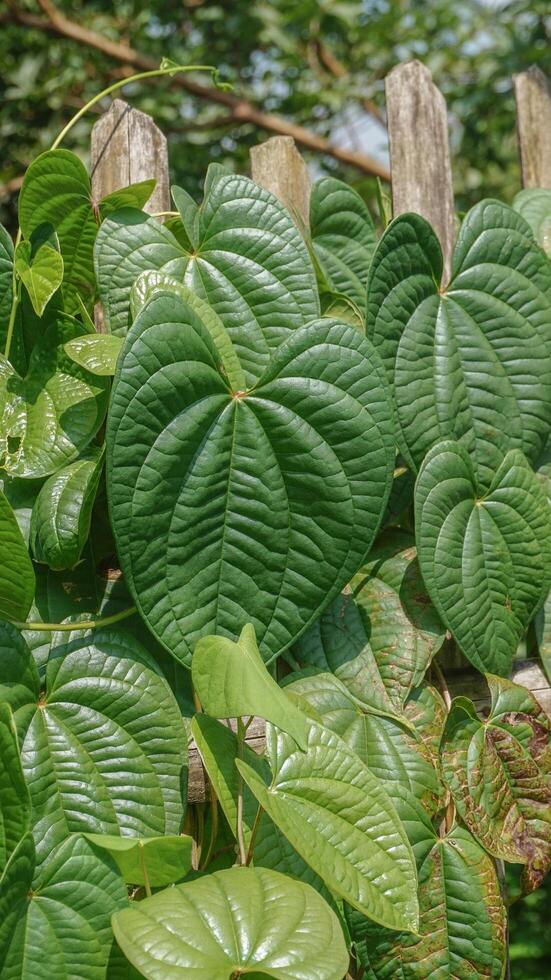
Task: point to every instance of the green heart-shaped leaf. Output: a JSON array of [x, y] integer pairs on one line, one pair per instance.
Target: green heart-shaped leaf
[[58, 924], [6, 283], [62, 512], [499, 771], [39, 265], [380, 635], [52, 414], [391, 752], [534, 204], [97, 353], [485, 558], [151, 861], [250, 263], [341, 821], [242, 920], [243, 506], [231, 680], [343, 237], [15, 804], [134, 196], [103, 746], [471, 363], [17, 581], [463, 925]]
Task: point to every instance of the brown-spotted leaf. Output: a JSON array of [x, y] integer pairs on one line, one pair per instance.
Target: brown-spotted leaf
[[379, 636], [462, 916], [499, 773]]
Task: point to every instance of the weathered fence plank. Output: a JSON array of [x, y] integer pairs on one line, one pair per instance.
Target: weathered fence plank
[[127, 147], [278, 167], [419, 151], [533, 102]]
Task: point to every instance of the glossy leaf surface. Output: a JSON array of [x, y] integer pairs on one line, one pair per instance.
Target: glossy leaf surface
[[231, 680], [53, 413], [15, 805], [97, 353], [6, 282], [159, 860], [102, 745], [231, 507], [39, 265], [242, 920], [58, 924], [486, 560], [62, 511], [341, 821], [499, 771], [17, 581], [471, 363]]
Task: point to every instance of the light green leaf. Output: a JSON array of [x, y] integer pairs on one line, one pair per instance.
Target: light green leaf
[[343, 237], [134, 196], [17, 582], [15, 805], [103, 746], [158, 860], [62, 512], [97, 353], [56, 189], [189, 213], [395, 755], [241, 920], [463, 925], [229, 506], [58, 925], [231, 680], [39, 265], [52, 414], [250, 263], [485, 559], [380, 635], [534, 204], [499, 772], [472, 362], [6, 283], [341, 821]]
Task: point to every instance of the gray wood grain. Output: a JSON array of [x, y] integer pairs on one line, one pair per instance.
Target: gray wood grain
[[278, 167], [533, 102]]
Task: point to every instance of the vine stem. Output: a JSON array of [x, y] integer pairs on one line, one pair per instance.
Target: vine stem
[[155, 73], [449, 816], [88, 624], [146, 882], [254, 832], [241, 729]]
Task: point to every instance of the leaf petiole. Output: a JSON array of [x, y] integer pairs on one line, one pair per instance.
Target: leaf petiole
[[84, 625]]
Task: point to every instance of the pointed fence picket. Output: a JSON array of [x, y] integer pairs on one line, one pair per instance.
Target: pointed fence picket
[[127, 147]]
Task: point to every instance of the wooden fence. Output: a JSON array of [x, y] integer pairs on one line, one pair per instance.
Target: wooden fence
[[127, 146]]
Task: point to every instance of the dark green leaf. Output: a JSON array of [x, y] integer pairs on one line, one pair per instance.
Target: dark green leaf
[[17, 582], [6, 283], [15, 805], [485, 559], [134, 196]]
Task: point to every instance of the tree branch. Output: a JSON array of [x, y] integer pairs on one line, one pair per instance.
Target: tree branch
[[242, 110]]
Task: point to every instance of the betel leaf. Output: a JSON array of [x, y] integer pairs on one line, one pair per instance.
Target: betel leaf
[[15, 806], [52, 414], [231, 680], [485, 559], [236, 506], [58, 924], [155, 861], [396, 755], [234, 922], [103, 746], [56, 189], [6, 283], [471, 362], [534, 204], [380, 635], [39, 265], [97, 353], [338, 817], [499, 772], [250, 263], [62, 512], [17, 581], [343, 237], [463, 923]]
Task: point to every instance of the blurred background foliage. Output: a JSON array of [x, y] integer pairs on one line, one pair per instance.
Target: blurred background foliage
[[319, 63]]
